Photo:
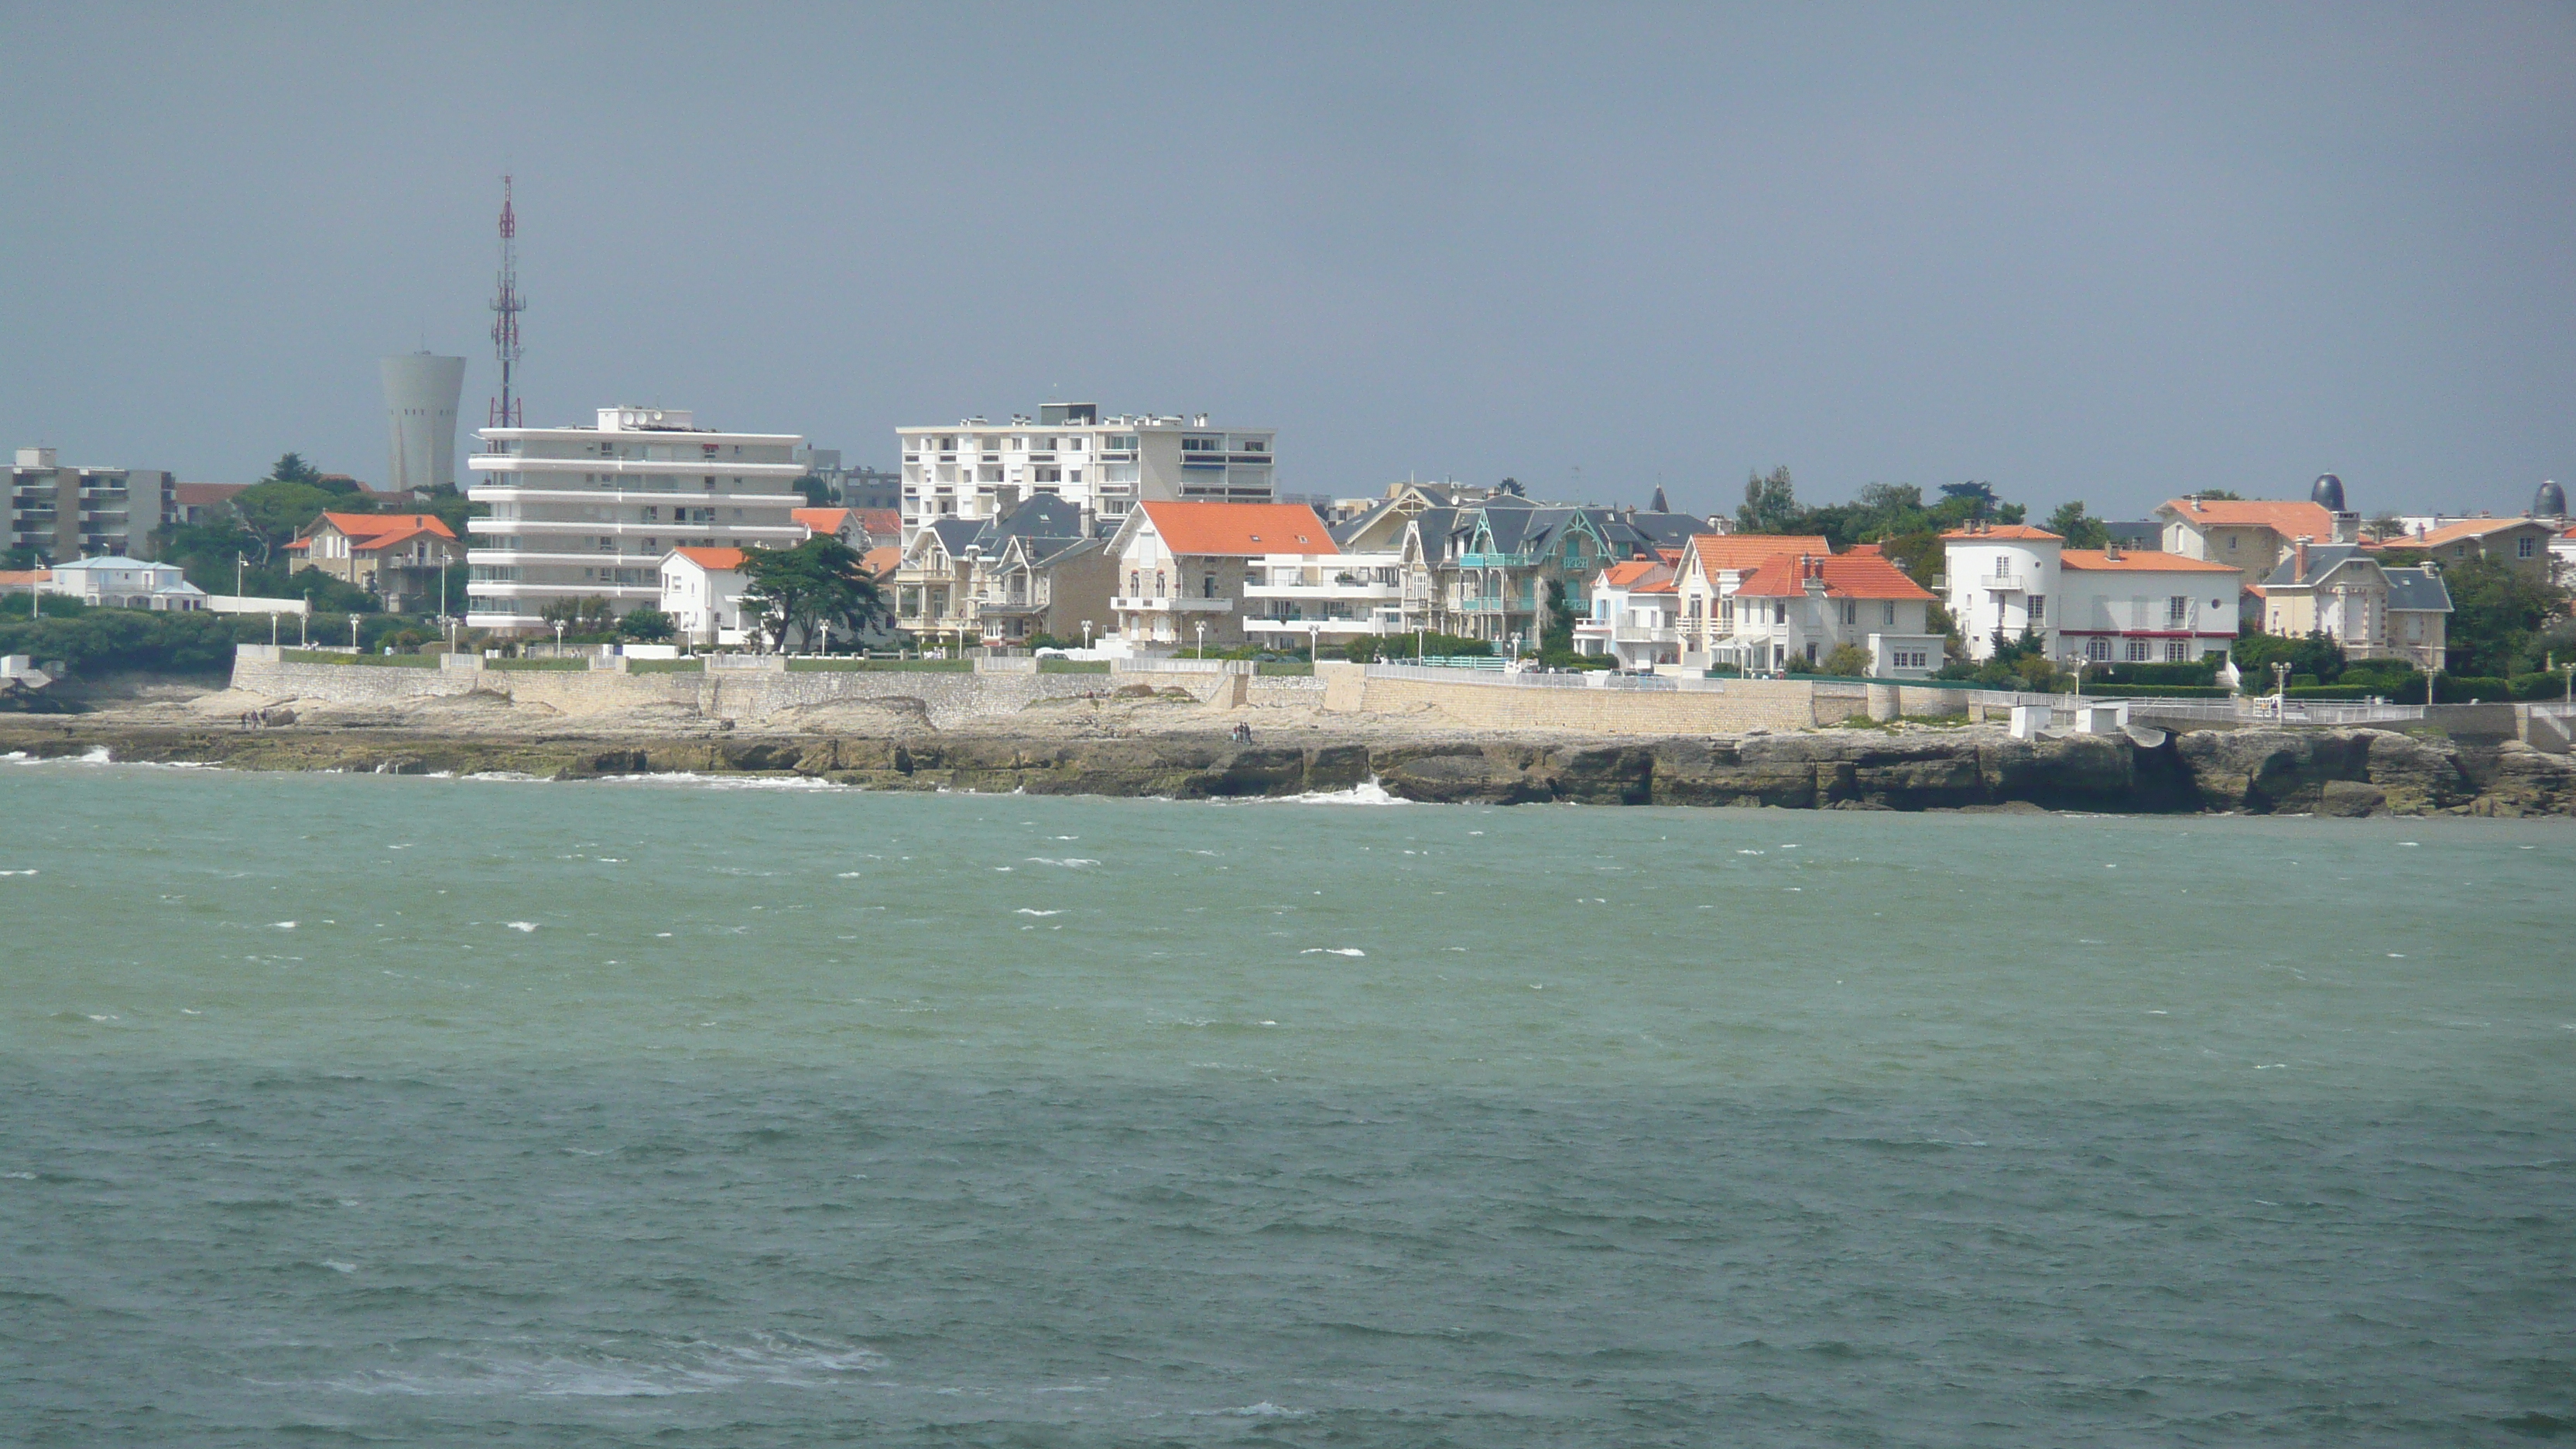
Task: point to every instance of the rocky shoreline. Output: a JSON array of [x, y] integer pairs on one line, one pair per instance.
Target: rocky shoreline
[[2354, 772]]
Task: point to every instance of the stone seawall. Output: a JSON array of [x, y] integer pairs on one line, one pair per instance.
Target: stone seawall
[[2333, 772], [744, 696]]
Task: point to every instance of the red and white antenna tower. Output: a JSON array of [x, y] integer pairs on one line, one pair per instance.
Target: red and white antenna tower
[[507, 410]]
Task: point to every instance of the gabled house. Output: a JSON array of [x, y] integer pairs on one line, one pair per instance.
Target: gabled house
[[943, 581], [1045, 585], [1183, 567], [2370, 610], [2109, 605], [1636, 614], [1805, 606], [1711, 567], [396, 556], [2246, 534], [2521, 544], [702, 592]]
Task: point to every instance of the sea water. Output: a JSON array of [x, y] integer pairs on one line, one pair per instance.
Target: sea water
[[381, 1110]]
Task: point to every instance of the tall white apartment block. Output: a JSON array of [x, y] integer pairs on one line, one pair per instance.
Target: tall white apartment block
[[978, 469], [590, 512]]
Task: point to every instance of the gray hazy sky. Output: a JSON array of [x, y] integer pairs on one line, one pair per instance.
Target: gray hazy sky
[[2108, 252]]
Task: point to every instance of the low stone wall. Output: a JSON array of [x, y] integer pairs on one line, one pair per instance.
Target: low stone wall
[[748, 696], [1491, 703]]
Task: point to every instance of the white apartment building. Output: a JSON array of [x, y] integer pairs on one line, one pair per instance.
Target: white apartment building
[[65, 513], [591, 512], [978, 469]]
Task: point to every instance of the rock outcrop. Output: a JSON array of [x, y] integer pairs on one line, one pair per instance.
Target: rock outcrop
[[2353, 773]]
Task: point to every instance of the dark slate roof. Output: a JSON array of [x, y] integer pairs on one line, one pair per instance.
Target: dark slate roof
[[2417, 589], [1438, 527], [956, 534], [1042, 515], [1051, 550], [1666, 530], [2322, 559]]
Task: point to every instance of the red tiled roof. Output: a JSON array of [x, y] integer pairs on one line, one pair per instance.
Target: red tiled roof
[[1241, 529], [2015, 531], [2456, 533], [2287, 517], [1721, 551], [882, 560], [299, 545], [1852, 575], [22, 578], [715, 560], [2146, 562], [881, 522], [365, 527], [821, 520], [1629, 573]]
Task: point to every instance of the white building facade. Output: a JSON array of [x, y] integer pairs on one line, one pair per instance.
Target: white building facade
[[2104, 606], [702, 592], [591, 512], [977, 469], [1298, 600]]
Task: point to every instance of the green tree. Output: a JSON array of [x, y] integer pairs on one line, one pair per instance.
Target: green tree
[[1770, 503], [818, 494], [2218, 495], [2315, 655], [2498, 616], [291, 468], [1847, 661], [648, 625], [798, 590], [2079, 528], [2384, 526]]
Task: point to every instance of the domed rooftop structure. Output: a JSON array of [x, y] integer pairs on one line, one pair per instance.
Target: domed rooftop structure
[[2549, 502], [2328, 493]]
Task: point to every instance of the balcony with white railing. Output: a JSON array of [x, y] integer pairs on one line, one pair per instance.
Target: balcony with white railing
[[2004, 584], [1176, 604]]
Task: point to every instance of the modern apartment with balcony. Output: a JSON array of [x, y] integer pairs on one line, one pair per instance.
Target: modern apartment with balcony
[[1304, 600], [979, 469], [591, 512], [62, 514]]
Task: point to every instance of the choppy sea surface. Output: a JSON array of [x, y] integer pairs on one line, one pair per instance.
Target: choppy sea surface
[[677, 1113]]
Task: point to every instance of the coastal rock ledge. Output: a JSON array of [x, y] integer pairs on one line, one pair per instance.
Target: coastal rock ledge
[[2356, 772]]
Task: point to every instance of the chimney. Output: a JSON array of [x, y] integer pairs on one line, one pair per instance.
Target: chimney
[[2347, 528], [2299, 560], [2111, 549]]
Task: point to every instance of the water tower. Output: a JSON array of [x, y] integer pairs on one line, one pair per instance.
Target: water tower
[[421, 393]]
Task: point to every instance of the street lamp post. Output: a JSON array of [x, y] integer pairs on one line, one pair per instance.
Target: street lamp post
[[353, 633], [237, 575], [558, 638], [1086, 636], [1201, 626], [2280, 688], [1314, 642]]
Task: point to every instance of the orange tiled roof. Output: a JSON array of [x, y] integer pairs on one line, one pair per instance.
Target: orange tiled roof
[[1847, 576], [1719, 551], [881, 522], [22, 578], [2456, 532], [2287, 517], [365, 526], [1629, 573], [881, 560], [716, 560], [2145, 562], [821, 520], [1194, 529], [2016, 531]]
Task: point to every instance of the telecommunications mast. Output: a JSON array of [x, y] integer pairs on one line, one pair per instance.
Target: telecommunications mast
[[507, 410]]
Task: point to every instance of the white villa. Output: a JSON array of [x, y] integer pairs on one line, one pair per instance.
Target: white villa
[[2104, 606]]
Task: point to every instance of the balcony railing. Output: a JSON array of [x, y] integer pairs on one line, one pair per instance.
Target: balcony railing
[[1496, 560], [1175, 604]]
